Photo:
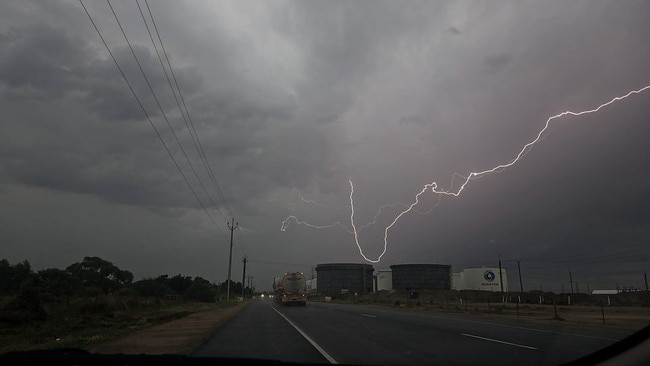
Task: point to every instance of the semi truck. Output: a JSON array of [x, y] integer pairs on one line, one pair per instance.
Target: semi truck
[[290, 289]]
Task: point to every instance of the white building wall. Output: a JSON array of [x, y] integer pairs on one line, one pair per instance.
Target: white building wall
[[456, 281], [484, 279], [384, 279], [312, 285]]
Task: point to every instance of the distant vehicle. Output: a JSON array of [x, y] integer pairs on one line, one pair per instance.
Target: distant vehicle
[[290, 289]]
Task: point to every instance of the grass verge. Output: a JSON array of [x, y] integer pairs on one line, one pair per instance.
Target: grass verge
[[84, 326]]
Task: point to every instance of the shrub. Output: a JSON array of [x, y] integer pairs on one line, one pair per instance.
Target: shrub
[[95, 308], [25, 308], [201, 290]]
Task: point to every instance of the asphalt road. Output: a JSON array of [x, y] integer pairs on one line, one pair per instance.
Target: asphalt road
[[349, 334]]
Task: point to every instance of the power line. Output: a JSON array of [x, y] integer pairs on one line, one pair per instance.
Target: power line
[[171, 87], [191, 127], [280, 263], [153, 126], [162, 110], [610, 256], [588, 257]]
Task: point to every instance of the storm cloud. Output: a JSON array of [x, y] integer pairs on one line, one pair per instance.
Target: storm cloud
[[292, 100]]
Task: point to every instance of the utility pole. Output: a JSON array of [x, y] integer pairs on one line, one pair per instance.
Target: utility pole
[[500, 274], [645, 277], [521, 285], [232, 228], [571, 281], [243, 279]]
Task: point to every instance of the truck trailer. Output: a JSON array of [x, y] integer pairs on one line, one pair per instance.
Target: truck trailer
[[290, 289]]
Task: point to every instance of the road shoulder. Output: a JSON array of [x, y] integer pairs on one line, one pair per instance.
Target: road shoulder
[[180, 336]]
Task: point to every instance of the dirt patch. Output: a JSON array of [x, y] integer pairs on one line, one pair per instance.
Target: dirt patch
[[180, 336]]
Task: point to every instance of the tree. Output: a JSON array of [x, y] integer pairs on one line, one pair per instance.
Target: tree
[[201, 290], [235, 288], [55, 282], [151, 288], [97, 272], [25, 308], [180, 284], [13, 277]]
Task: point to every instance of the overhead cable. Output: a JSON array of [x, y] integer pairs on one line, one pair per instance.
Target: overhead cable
[[153, 126], [193, 133]]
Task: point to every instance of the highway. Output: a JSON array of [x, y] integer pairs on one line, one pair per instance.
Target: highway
[[351, 334]]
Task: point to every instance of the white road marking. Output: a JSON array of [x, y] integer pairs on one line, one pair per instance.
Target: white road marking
[[329, 358], [525, 328], [553, 332], [368, 315], [498, 341]]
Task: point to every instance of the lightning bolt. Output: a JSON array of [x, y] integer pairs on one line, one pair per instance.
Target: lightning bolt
[[356, 234], [312, 202], [433, 186], [286, 221], [528, 146], [381, 209]]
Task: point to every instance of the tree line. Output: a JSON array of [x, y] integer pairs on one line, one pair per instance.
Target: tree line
[[25, 293]]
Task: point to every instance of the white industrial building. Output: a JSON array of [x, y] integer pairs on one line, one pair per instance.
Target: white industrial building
[[384, 280], [483, 279], [312, 286]]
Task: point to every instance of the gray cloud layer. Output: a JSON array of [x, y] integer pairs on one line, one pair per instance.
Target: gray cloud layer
[[307, 95]]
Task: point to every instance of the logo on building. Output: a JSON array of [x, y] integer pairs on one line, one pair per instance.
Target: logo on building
[[489, 276]]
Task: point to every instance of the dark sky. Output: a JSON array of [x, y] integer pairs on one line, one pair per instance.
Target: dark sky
[[292, 100]]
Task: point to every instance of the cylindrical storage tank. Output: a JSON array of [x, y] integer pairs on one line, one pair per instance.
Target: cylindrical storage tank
[[421, 276], [336, 279]]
